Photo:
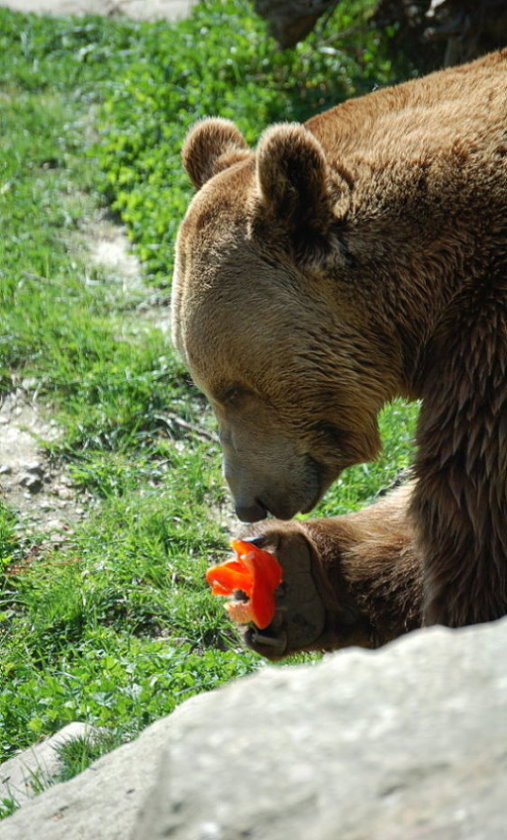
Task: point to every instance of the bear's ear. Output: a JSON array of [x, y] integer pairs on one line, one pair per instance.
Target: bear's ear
[[211, 145], [292, 176]]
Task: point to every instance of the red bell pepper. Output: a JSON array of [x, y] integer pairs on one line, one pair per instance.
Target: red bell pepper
[[256, 573]]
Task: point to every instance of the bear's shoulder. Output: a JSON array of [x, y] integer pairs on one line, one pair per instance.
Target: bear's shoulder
[[423, 114]]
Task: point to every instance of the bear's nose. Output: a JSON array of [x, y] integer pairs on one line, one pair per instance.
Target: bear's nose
[[251, 512]]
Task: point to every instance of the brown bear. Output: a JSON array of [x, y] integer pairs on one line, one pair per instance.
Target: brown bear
[[344, 262]]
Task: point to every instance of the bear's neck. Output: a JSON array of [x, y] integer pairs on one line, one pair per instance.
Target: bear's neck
[[412, 282], [460, 497]]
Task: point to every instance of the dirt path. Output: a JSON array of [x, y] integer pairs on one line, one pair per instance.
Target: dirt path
[[28, 484], [136, 9], [42, 494]]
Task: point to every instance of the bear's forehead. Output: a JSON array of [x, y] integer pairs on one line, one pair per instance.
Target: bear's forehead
[[221, 263], [213, 241], [234, 323], [225, 195]]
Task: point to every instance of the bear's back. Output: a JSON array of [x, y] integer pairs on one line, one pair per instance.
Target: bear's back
[[423, 116]]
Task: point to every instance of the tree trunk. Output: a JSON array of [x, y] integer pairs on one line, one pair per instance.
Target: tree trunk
[[441, 31], [455, 30], [290, 21]]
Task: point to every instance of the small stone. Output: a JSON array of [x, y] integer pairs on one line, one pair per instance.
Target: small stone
[[54, 525], [33, 483], [64, 493], [34, 468], [5, 469]]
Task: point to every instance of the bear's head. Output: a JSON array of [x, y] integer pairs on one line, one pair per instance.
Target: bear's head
[[270, 319]]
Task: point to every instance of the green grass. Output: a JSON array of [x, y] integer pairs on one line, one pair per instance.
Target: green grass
[[235, 72], [116, 626]]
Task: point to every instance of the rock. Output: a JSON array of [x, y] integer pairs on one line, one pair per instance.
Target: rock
[[22, 775], [99, 804], [34, 468], [33, 483], [64, 493], [57, 525], [405, 743]]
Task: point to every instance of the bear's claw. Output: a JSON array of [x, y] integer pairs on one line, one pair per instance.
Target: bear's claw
[[300, 614], [257, 640]]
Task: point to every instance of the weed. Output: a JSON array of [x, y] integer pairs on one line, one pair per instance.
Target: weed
[[8, 805], [76, 754]]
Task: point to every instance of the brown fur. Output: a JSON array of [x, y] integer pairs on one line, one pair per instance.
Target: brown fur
[[364, 569], [373, 552], [342, 263]]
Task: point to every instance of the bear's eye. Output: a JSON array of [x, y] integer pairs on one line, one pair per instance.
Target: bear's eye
[[231, 396], [332, 434]]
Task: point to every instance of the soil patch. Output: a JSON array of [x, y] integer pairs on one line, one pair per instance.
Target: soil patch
[[40, 494]]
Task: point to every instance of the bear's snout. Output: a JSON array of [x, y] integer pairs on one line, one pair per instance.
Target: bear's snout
[[250, 512]]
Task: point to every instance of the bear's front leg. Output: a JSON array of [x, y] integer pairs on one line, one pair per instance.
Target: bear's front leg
[[349, 580]]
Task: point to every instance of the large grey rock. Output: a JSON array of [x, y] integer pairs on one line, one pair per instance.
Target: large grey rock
[[99, 804], [407, 743], [22, 776], [410, 742]]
